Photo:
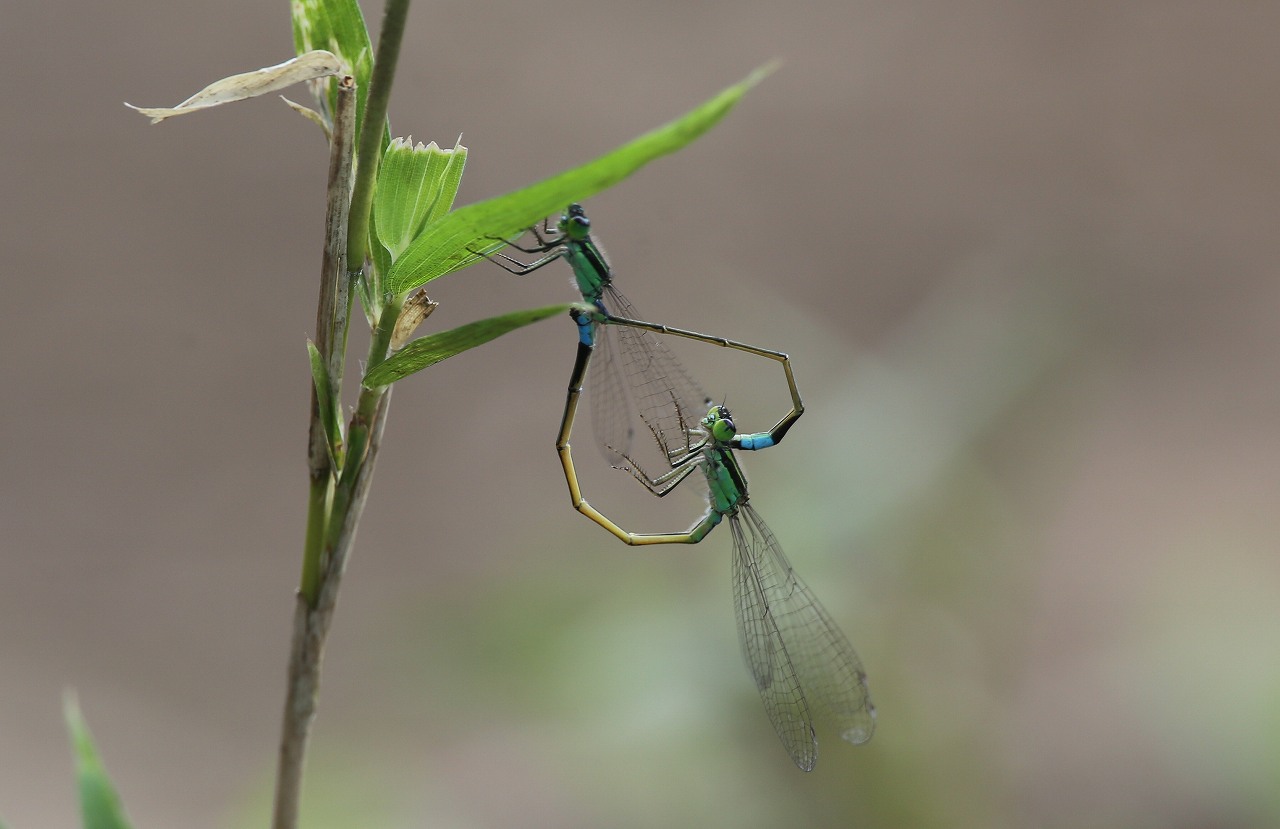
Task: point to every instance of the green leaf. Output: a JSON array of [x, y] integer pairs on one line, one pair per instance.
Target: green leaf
[[427, 351], [453, 242], [324, 396], [99, 804], [337, 26], [416, 186]]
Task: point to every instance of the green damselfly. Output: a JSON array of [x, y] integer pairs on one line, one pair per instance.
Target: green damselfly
[[802, 664], [638, 386]]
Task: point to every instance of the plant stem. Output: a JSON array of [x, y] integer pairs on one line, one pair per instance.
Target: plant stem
[[304, 657], [334, 507], [310, 630], [375, 116], [371, 408], [313, 619], [330, 331]]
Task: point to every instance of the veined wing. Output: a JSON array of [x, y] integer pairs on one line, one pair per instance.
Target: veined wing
[[803, 665], [640, 388]]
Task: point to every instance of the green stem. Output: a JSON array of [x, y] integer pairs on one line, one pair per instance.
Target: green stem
[[369, 409], [370, 146], [317, 515], [329, 314], [304, 652], [334, 510]]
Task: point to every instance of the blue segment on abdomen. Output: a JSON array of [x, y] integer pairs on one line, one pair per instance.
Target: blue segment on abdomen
[[586, 330], [762, 440]]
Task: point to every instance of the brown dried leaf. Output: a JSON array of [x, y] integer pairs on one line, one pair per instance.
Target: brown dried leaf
[[416, 309]]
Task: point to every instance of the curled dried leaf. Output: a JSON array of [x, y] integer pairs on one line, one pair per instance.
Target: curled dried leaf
[[305, 67], [416, 309]]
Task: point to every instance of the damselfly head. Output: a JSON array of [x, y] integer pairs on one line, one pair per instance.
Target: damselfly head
[[574, 223], [719, 422]]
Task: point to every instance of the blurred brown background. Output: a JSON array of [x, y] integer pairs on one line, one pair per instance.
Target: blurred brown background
[[1023, 256]]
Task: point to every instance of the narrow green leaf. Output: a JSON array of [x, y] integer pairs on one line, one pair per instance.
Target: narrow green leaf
[[99, 803], [324, 396], [452, 243], [416, 184], [427, 351]]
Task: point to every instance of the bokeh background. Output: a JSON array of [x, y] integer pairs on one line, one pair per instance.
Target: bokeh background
[[1024, 259]]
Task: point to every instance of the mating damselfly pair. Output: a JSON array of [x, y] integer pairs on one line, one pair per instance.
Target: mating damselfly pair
[[803, 665]]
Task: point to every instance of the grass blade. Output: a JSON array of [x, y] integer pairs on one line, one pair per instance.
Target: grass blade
[[452, 243], [429, 350], [100, 806]]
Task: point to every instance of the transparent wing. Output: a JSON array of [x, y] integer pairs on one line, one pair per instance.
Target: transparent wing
[[803, 665], [639, 387], [612, 409]]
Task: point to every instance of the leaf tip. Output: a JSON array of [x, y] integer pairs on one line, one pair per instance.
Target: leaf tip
[[761, 72], [144, 111], [100, 805], [70, 705], [311, 115]]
